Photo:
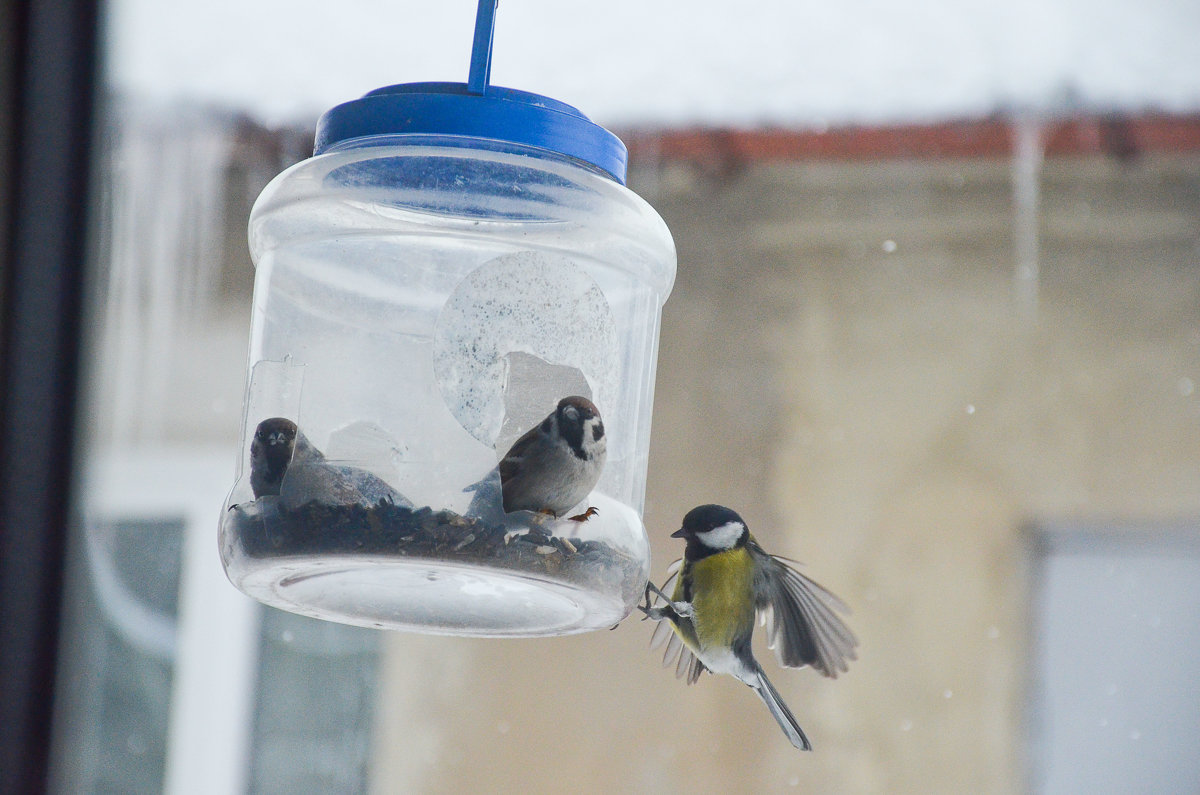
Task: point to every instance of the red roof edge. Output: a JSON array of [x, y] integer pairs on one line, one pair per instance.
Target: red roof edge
[[1117, 135]]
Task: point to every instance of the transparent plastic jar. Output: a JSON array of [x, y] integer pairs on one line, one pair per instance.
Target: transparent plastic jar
[[421, 300]]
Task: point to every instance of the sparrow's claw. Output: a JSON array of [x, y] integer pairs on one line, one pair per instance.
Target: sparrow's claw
[[583, 517]]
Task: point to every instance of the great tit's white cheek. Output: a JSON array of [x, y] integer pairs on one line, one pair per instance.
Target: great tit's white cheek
[[723, 536]]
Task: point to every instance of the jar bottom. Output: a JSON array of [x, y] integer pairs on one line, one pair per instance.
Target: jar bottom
[[391, 566], [430, 596]]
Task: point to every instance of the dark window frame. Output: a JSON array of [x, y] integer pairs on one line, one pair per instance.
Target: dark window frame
[[48, 84]]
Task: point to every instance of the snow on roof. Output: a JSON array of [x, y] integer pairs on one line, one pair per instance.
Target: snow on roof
[[671, 63]]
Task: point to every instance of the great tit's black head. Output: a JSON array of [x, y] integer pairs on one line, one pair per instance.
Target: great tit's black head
[[713, 527], [579, 424]]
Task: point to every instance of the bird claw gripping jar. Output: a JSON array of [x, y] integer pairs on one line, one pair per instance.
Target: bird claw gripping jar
[[431, 286]]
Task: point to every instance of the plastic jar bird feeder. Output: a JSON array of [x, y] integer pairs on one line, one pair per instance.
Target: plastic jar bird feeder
[[452, 261]]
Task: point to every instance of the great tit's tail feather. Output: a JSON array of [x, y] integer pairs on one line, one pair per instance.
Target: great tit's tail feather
[[779, 710]]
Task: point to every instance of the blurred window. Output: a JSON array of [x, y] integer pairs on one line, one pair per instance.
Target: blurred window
[[1116, 696]]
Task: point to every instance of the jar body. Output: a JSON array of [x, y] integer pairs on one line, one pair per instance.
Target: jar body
[[419, 304]]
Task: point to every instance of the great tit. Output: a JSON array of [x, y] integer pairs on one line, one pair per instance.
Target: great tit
[[723, 582]]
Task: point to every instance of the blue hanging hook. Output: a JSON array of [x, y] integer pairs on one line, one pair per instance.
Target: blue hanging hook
[[474, 110], [481, 50]]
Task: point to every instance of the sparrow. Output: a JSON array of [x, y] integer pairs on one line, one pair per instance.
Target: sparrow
[[725, 581], [279, 448], [271, 451], [553, 466]]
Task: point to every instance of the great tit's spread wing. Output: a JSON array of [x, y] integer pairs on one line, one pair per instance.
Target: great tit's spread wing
[[687, 665], [803, 625], [664, 632]]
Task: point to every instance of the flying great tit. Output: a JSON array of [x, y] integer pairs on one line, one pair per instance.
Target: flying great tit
[[724, 581]]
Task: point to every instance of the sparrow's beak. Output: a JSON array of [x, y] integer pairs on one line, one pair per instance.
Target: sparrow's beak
[[678, 533]]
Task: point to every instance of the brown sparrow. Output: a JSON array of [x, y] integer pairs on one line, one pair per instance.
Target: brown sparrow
[[553, 466], [280, 448]]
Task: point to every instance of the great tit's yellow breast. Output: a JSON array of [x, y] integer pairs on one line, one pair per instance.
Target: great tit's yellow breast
[[722, 596]]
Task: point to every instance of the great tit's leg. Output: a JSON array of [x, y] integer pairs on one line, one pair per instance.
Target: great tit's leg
[[657, 613], [671, 610], [651, 588], [651, 612]]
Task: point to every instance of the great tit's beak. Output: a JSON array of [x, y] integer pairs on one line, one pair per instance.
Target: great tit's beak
[[678, 533]]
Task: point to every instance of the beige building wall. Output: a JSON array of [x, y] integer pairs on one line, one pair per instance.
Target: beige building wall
[[848, 361]]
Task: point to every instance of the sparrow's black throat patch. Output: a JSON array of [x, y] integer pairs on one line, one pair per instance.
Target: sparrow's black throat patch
[[571, 430]]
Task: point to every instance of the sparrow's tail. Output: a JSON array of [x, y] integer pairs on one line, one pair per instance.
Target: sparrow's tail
[[783, 716]]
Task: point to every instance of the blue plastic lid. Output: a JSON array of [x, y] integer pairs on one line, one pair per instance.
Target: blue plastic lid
[[498, 114]]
